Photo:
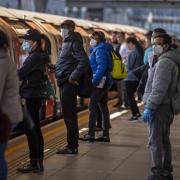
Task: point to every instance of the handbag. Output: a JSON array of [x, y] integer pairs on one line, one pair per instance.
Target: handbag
[[5, 127]]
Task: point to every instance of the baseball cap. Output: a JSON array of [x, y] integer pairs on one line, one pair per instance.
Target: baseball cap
[[69, 23], [32, 34]]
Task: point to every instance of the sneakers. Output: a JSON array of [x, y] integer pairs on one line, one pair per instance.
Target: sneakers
[[168, 177], [67, 150], [133, 118], [35, 168], [155, 177], [87, 137], [103, 139]]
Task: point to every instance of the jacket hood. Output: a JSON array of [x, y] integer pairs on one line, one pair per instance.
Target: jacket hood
[[108, 46], [173, 54], [75, 36]]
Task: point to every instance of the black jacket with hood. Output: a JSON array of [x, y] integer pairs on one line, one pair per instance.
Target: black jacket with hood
[[32, 74], [72, 59]]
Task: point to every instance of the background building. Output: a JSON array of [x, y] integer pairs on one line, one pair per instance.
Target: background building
[[143, 13]]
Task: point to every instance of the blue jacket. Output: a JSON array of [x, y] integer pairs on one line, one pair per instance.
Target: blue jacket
[[101, 63]]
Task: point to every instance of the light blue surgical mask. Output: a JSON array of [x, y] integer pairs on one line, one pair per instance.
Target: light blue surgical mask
[[26, 46]]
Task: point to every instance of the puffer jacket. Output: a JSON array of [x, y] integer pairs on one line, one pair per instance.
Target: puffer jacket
[[9, 89], [101, 62], [72, 59], [162, 80], [32, 74]]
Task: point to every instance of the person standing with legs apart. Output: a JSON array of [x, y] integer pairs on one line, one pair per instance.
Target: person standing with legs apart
[[10, 107], [101, 63], [72, 63], [158, 114], [31, 91]]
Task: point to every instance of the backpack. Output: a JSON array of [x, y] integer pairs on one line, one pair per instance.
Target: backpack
[[118, 70]]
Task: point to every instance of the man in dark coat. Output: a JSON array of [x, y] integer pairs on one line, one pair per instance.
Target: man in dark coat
[[72, 63]]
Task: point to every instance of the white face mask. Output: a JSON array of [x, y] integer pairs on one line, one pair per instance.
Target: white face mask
[[157, 50], [64, 33], [93, 42]]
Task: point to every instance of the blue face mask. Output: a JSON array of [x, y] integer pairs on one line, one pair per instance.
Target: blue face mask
[[26, 46]]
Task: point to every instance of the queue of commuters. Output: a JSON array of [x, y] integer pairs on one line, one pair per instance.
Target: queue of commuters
[[158, 80]]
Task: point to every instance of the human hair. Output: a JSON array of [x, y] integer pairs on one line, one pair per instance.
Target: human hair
[[122, 33], [47, 47], [3, 40], [159, 31], [166, 39], [100, 35], [137, 44]]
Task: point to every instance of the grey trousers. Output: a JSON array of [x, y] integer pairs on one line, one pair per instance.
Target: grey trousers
[[159, 142]]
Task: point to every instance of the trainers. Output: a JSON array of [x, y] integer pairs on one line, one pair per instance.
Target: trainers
[[103, 139], [29, 168], [87, 137], [155, 177], [133, 118], [67, 150], [168, 177]]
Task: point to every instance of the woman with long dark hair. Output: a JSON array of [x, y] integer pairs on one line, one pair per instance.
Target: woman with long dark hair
[[135, 59]]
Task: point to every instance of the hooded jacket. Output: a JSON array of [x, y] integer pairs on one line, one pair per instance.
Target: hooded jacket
[[9, 89], [72, 59], [101, 62], [162, 80], [32, 74]]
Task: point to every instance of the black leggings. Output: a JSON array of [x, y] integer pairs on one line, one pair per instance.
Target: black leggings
[[131, 87], [34, 136]]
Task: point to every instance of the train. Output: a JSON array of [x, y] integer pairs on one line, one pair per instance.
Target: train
[[14, 23]]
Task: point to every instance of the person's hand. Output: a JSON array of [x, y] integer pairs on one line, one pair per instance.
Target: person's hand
[[73, 82], [147, 115]]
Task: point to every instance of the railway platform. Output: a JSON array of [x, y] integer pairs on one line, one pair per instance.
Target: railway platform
[[124, 158]]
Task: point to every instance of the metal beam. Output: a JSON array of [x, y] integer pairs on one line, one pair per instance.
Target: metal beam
[[124, 3]]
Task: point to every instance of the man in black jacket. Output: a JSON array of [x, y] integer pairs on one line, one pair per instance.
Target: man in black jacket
[[72, 63]]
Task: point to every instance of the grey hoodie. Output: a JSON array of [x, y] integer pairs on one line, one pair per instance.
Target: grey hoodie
[[162, 80]]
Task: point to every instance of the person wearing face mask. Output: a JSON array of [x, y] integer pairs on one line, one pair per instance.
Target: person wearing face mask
[[101, 63], [71, 65], [31, 75], [158, 114]]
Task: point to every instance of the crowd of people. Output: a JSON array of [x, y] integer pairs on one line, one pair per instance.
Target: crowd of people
[[152, 75]]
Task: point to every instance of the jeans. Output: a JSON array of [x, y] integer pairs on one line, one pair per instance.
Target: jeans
[[3, 165], [68, 93], [159, 142], [99, 98], [131, 87], [34, 136]]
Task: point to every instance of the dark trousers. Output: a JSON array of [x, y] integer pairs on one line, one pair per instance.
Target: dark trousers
[[99, 118], [131, 87], [34, 136], [159, 142], [68, 93], [99, 98]]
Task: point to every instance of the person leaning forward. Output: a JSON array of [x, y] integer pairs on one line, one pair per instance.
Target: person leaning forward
[[72, 63]]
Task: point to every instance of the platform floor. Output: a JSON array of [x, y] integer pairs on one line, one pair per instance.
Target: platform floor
[[124, 158]]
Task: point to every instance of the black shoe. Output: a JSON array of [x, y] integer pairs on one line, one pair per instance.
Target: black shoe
[[138, 115], [87, 137], [168, 177], [103, 139], [133, 118], [30, 168], [155, 177], [67, 150]]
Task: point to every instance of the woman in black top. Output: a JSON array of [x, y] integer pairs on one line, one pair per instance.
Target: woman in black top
[[31, 90]]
